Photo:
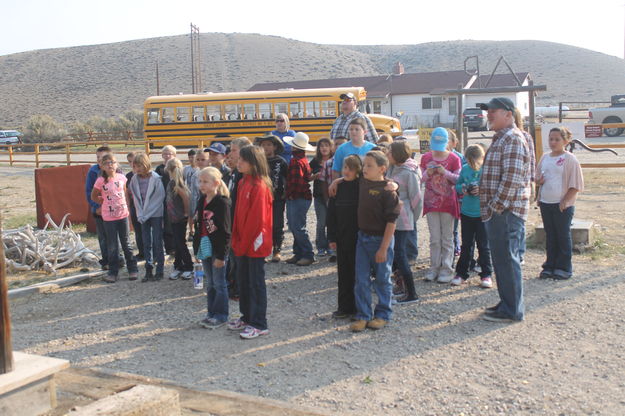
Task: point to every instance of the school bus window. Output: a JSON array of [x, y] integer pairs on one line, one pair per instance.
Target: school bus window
[[232, 111], [198, 114], [250, 111], [328, 109], [213, 112], [297, 110], [182, 114], [153, 116], [313, 109], [265, 110], [281, 108], [168, 115]]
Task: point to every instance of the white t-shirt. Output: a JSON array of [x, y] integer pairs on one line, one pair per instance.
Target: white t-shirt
[[553, 169]]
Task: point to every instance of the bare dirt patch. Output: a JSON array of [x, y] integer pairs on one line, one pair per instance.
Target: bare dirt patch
[[436, 357]]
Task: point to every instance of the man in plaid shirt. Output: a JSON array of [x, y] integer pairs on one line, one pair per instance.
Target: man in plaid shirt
[[504, 204], [349, 107]]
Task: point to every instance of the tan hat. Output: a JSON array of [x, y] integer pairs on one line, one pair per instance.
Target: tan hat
[[300, 141]]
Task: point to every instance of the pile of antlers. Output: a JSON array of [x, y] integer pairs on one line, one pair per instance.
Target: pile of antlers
[[45, 249]]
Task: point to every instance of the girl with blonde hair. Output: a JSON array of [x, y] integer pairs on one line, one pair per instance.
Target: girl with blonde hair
[[177, 203], [211, 243]]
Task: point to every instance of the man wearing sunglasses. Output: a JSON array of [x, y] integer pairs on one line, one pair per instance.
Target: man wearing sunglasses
[[349, 109]]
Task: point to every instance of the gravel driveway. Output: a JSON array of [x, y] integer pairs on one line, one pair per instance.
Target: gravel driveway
[[437, 357]]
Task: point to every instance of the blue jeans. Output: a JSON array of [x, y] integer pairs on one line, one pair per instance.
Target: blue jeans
[[366, 248], [504, 233], [558, 239], [296, 210], [401, 260], [412, 246], [152, 230], [115, 229], [252, 291], [321, 211], [216, 290]]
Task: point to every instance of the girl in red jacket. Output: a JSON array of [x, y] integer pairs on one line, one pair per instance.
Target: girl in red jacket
[[251, 241]]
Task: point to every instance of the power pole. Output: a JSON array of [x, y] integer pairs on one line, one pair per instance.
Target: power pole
[[158, 82], [196, 72], [6, 349]]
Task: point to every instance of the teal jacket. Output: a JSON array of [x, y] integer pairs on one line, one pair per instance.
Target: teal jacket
[[470, 204]]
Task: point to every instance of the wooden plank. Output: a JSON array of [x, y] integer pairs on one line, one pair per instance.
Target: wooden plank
[[603, 165], [28, 369], [6, 347]]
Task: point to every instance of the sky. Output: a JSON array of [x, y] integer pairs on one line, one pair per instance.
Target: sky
[[40, 24]]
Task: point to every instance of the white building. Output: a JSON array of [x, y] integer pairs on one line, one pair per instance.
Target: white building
[[417, 99]]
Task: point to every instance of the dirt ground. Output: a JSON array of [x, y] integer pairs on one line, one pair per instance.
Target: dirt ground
[[436, 357]]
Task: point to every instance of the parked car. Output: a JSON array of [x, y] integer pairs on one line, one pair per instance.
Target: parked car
[[615, 113], [475, 119], [10, 137]]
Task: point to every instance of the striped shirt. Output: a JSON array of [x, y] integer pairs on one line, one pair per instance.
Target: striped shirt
[[340, 128], [506, 175]]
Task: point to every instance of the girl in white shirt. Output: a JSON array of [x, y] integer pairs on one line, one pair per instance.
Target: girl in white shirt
[[560, 179]]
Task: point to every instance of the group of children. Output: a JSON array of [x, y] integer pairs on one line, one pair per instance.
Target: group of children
[[368, 198]]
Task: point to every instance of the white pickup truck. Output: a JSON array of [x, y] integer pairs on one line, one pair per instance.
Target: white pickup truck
[[615, 113]]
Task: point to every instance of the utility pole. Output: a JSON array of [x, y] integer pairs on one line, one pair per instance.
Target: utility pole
[[196, 72], [158, 82], [6, 349]]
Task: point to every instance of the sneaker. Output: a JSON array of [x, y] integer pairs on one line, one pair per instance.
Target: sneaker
[[186, 275], [486, 282], [305, 262], [430, 276], [110, 279], [250, 332], [236, 325], [332, 258], [376, 323], [358, 325], [497, 317], [545, 274], [175, 275], [159, 276], [444, 279], [133, 275], [407, 300], [341, 315], [148, 276], [398, 295], [457, 281], [276, 257], [292, 260], [211, 323]]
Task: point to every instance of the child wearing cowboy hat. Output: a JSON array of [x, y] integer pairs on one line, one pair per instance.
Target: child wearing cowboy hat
[[299, 199], [273, 148]]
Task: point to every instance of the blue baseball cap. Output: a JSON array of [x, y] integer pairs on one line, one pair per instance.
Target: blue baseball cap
[[217, 148], [439, 139]]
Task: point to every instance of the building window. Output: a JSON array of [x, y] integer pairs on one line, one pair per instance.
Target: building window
[[428, 103], [453, 103], [377, 107]]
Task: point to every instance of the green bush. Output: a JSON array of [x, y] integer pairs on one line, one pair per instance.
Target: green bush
[[43, 128]]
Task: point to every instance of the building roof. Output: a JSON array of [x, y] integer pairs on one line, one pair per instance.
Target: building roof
[[413, 83]]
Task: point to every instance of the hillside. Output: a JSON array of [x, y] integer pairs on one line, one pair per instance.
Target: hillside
[[105, 80]]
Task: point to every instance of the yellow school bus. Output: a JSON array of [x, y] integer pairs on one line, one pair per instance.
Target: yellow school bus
[[185, 120]]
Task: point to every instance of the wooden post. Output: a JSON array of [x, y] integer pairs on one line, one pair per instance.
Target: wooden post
[[10, 155], [37, 156], [147, 147], [6, 349], [68, 155], [538, 142], [459, 119], [532, 103]]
